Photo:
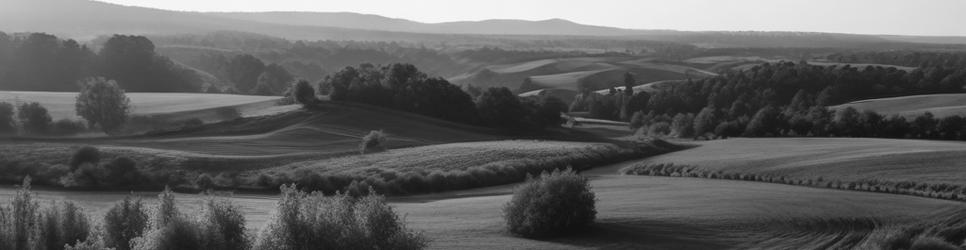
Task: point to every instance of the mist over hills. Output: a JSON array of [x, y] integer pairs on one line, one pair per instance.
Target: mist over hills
[[84, 19]]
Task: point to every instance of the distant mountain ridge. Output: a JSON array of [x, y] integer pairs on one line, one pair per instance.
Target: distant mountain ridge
[[85, 19], [375, 22]]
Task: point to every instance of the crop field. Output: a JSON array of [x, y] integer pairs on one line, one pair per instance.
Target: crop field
[[912, 167], [940, 105], [61, 104], [463, 156]]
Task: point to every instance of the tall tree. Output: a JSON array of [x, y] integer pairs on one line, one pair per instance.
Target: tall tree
[[102, 102], [243, 71], [629, 83]]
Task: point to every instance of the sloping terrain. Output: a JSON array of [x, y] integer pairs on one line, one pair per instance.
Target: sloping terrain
[[60, 105], [572, 73], [633, 213], [843, 159], [940, 105]]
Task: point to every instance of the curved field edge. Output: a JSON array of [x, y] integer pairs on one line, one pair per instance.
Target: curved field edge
[[395, 172], [907, 167]]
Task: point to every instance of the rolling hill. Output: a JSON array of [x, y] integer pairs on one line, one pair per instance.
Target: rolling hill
[[89, 19], [184, 106], [845, 160], [569, 74], [940, 105]]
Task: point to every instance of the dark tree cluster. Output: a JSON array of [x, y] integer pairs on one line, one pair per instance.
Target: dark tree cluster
[[788, 99], [42, 62], [404, 87], [247, 74]]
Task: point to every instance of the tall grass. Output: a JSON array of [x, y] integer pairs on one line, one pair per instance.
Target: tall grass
[[303, 221], [314, 221], [24, 224]]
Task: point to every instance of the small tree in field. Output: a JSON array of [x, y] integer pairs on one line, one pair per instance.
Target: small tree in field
[[34, 118], [102, 102], [304, 94], [7, 124], [372, 141]]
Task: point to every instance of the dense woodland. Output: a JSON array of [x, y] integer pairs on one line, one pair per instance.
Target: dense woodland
[[404, 87], [42, 62]]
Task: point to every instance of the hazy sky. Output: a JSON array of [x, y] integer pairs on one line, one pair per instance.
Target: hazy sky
[[907, 17]]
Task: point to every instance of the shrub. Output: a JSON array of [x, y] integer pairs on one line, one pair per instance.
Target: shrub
[[220, 227], [86, 154], [224, 225], [7, 124], [204, 182], [34, 118], [67, 127], [19, 220], [304, 94], [372, 141], [554, 204], [64, 223], [314, 221], [102, 102], [122, 171], [94, 241], [123, 222]]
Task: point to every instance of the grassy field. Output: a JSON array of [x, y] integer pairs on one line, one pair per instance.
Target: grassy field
[[940, 105], [633, 213], [914, 167], [61, 104]]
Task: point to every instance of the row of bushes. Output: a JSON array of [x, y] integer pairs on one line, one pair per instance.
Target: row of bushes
[[302, 221], [33, 118], [394, 182], [932, 190]]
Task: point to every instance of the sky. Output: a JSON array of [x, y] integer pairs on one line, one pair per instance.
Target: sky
[[900, 17]]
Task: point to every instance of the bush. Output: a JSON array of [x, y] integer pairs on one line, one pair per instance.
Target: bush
[[34, 118], [64, 223], [122, 171], [67, 127], [86, 154], [94, 241], [221, 226], [123, 222], [554, 204], [204, 182], [224, 226], [304, 94], [314, 221], [372, 141], [19, 220], [7, 124]]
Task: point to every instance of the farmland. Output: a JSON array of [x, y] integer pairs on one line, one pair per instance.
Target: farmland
[[940, 105], [635, 212], [61, 104]]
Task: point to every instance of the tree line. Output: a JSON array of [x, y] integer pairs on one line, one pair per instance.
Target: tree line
[[404, 87], [43, 62], [791, 99]]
